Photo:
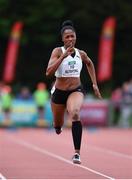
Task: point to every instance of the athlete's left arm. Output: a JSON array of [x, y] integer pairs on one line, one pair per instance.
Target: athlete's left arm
[[91, 71]]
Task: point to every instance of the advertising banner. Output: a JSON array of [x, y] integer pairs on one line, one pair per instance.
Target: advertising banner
[[12, 53], [105, 57], [95, 113]]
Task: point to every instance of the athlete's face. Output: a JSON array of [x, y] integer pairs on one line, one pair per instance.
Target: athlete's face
[[69, 38]]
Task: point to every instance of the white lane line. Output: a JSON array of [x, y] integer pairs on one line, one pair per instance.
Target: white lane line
[[114, 153], [103, 150], [2, 177], [43, 151]]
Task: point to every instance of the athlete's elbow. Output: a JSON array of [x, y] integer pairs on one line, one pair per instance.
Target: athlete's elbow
[[49, 73]]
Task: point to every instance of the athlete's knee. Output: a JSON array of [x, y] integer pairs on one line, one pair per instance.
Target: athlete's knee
[[75, 114]]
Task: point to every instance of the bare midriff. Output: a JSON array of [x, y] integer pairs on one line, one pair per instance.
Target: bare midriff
[[67, 83]]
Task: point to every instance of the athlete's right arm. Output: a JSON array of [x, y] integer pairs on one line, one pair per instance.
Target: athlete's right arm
[[54, 61], [56, 58]]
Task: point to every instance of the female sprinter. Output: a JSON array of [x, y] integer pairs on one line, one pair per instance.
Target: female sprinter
[[67, 94]]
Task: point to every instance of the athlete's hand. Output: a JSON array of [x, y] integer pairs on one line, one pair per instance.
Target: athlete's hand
[[96, 91], [68, 51]]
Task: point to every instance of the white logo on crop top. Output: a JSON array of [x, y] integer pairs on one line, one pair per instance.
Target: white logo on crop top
[[71, 65]]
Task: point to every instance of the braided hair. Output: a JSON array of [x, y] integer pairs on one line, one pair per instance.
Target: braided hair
[[68, 24]]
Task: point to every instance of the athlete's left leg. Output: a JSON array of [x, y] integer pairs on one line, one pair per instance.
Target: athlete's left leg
[[74, 104]]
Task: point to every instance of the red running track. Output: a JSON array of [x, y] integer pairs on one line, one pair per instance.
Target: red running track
[[41, 154]]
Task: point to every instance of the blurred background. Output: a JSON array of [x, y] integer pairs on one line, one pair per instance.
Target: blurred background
[[29, 30]]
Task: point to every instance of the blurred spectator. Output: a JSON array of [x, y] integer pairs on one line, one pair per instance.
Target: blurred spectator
[[6, 103], [126, 105], [41, 97], [24, 94], [116, 99]]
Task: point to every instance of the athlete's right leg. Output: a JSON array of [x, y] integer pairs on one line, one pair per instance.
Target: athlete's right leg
[[58, 116]]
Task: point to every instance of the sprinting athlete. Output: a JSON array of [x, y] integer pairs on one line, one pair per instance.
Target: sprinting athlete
[[67, 93]]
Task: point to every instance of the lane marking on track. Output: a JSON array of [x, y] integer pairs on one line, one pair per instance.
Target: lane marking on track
[[44, 151], [103, 150], [2, 177], [100, 149], [114, 153]]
